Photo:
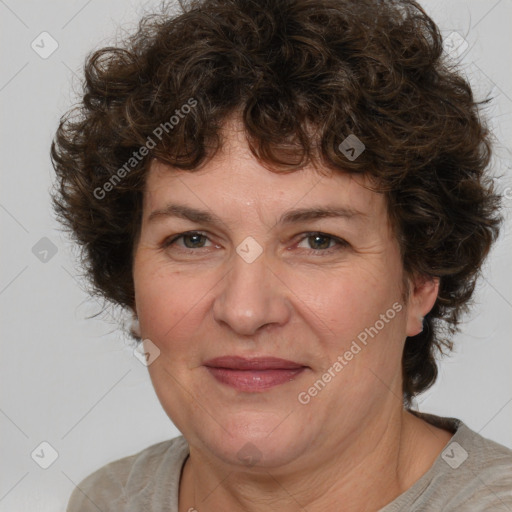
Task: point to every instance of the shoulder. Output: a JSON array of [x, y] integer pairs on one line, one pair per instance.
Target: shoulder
[[485, 471], [133, 480], [471, 474]]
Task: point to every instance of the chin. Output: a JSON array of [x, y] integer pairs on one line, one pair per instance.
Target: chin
[[253, 440]]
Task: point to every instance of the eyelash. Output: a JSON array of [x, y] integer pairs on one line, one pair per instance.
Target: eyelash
[[340, 243]]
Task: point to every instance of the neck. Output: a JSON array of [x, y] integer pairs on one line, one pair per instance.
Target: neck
[[369, 469]]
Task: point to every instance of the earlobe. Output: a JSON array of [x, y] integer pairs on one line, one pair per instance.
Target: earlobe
[[135, 327], [134, 324], [422, 298], [420, 321]]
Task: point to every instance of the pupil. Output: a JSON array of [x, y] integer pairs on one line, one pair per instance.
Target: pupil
[[324, 245], [191, 237]]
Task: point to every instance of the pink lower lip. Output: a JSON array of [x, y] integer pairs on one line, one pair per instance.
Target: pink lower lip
[[254, 380]]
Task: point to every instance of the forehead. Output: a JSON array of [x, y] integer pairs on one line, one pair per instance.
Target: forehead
[[233, 179]]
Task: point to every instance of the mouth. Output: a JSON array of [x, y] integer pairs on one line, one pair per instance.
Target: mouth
[[253, 375]]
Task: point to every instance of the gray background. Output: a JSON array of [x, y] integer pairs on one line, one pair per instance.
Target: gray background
[[75, 383]]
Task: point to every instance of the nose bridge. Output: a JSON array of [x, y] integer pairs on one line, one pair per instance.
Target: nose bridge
[[250, 296]]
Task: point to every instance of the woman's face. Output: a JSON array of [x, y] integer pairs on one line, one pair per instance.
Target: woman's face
[[256, 282]]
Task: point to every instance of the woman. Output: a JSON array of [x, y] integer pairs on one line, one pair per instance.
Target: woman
[[291, 198]]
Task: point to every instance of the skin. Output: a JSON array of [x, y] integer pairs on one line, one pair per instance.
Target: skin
[[302, 299]]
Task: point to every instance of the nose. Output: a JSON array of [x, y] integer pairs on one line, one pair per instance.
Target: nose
[[252, 296]]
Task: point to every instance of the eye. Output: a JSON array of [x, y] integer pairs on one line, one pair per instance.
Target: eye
[[191, 240], [317, 242], [322, 242]]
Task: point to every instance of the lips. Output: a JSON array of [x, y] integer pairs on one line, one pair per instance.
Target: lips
[[253, 375], [257, 363]]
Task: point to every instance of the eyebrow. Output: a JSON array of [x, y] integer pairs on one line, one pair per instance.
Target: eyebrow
[[290, 217]]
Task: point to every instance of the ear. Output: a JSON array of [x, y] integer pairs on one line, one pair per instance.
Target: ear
[[423, 292]]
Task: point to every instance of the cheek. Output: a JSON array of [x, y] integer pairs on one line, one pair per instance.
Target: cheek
[[349, 299], [168, 303], [357, 314]]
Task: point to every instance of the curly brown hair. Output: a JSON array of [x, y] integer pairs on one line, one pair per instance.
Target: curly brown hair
[[303, 75]]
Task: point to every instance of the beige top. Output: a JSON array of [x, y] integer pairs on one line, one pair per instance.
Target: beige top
[[472, 474]]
